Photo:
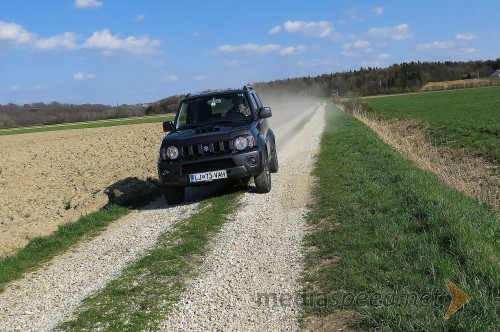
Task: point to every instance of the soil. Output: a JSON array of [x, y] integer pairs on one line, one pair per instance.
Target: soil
[[51, 178]]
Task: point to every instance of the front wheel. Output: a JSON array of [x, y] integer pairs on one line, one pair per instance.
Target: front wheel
[[263, 180], [174, 195]]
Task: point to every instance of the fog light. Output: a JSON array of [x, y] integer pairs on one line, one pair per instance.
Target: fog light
[[252, 160]]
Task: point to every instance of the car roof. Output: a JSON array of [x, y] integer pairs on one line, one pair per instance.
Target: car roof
[[245, 89]]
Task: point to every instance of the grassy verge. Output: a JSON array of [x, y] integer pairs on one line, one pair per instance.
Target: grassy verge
[[386, 236], [83, 125], [144, 293], [466, 119], [42, 249]]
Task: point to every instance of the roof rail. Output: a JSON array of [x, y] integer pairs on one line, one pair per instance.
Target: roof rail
[[247, 87]]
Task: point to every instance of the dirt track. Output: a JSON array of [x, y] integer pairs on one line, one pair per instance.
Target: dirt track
[[47, 179], [46, 297], [51, 178]]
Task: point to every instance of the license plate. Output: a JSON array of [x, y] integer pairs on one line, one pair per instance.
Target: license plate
[[208, 176]]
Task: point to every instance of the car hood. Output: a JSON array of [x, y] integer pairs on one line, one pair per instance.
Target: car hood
[[204, 134]]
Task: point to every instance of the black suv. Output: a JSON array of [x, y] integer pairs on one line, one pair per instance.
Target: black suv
[[217, 136]]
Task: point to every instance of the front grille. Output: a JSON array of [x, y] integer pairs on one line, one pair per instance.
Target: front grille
[[207, 166], [194, 150]]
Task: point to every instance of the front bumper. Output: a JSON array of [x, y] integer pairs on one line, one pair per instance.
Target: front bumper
[[237, 165]]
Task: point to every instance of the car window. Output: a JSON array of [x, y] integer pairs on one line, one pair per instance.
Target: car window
[[212, 109]]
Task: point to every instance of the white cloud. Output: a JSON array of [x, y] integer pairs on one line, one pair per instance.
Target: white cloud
[[349, 54], [398, 32], [291, 50], [371, 64], [383, 56], [201, 78], [103, 40], [467, 51], [356, 44], [17, 36], [353, 18], [321, 29], [275, 30], [140, 18], [83, 77], [80, 4], [249, 49], [378, 11], [15, 88], [171, 78], [466, 36], [435, 46], [15, 33], [255, 49], [64, 41], [322, 62], [232, 63]]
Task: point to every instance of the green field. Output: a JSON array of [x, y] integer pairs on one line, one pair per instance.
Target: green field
[[89, 124], [464, 119], [388, 234]]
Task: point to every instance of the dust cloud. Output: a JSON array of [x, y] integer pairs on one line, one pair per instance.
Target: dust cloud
[[288, 112]]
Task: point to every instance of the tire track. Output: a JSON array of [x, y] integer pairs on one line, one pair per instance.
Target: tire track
[[44, 298], [258, 253]]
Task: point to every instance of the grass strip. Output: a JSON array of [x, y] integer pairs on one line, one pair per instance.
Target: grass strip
[[84, 125], [387, 234], [42, 249], [142, 296]]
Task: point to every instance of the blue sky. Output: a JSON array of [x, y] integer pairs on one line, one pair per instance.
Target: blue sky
[[131, 51]]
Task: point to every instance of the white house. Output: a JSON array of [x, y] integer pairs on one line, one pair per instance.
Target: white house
[[496, 73]]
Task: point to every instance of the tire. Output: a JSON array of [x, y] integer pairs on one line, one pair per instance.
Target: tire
[[263, 180], [273, 163], [173, 195]]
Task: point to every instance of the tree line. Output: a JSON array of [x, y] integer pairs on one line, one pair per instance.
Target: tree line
[[12, 115], [397, 78]]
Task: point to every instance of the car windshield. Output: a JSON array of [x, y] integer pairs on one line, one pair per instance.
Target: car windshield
[[207, 110]]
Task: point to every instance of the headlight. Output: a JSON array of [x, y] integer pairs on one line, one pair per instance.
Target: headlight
[[243, 142], [169, 153]]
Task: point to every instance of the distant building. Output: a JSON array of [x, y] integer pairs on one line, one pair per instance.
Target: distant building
[[496, 73], [474, 74]]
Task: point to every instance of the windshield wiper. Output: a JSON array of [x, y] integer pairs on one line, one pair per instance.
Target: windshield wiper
[[210, 124]]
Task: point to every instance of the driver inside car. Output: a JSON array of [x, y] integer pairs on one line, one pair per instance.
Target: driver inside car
[[239, 108]]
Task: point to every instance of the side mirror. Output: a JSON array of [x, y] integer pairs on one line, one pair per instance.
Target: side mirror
[[265, 112], [168, 126]]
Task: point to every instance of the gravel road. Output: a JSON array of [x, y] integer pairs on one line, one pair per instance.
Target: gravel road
[[250, 281], [258, 252], [48, 296]]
